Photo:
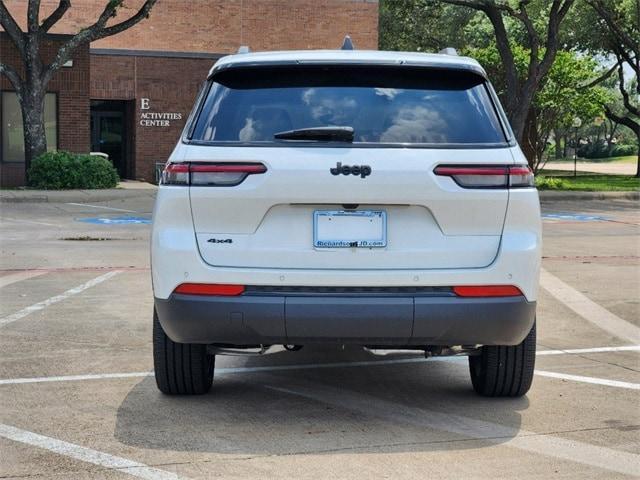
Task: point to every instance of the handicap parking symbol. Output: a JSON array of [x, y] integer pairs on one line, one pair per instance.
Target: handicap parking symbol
[[576, 217], [122, 220]]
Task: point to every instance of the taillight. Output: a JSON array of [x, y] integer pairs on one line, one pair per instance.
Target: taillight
[[490, 176], [175, 174], [209, 174], [213, 289], [223, 175], [521, 176], [487, 291]]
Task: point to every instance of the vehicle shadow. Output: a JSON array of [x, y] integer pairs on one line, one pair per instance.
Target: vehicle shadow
[[395, 407]]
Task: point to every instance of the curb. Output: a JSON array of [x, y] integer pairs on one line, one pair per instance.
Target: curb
[[70, 196], [565, 195]]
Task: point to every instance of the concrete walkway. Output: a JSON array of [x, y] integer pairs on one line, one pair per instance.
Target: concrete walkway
[[553, 195], [126, 189], [618, 168], [136, 185]]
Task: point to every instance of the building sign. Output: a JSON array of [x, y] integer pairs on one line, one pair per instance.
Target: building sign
[[155, 119]]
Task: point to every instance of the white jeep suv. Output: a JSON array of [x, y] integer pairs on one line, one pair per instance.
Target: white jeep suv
[[346, 197]]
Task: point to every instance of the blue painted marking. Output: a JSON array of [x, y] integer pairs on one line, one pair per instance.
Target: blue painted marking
[[578, 217], [122, 220]]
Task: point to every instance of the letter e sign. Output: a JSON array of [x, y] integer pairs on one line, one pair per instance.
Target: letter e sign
[[144, 104]]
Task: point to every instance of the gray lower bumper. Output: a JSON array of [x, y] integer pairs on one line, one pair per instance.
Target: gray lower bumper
[[366, 320]]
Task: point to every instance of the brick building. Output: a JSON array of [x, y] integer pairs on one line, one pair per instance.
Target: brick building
[[129, 95]]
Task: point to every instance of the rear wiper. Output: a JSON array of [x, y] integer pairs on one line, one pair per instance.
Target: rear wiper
[[338, 134]]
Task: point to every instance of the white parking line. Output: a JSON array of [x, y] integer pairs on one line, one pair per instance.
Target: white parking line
[[588, 309], [31, 222], [578, 351], [84, 454], [73, 378], [304, 366], [220, 371], [19, 276], [105, 208], [549, 445], [594, 380], [58, 298]]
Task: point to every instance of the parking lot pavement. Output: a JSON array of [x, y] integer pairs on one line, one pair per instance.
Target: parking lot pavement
[[77, 399]]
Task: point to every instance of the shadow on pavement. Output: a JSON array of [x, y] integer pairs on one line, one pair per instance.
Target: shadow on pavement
[[320, 410]]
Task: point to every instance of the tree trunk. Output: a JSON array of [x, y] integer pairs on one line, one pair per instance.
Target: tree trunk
[[35, 139], [558, 137], [638, 163], [529, 141], [519, 116], [518, 120]]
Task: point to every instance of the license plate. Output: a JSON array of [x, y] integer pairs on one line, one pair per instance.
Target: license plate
[[344, 229]]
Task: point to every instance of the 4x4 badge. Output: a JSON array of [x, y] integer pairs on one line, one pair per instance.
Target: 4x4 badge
[[220, 240], [362, 170]]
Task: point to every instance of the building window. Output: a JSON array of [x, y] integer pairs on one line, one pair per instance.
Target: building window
[[12, 131]]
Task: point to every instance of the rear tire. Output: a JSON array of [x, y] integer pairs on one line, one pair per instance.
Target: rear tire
[[180, 368], [504, 371]]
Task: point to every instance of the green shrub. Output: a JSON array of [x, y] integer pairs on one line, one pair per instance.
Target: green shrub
[[550, 183], [63, 170], [597, 149], [624, 150]]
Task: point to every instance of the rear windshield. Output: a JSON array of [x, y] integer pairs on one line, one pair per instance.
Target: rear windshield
[[383, 105]]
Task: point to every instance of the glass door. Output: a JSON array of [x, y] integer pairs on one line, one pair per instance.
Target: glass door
[[108, 136]]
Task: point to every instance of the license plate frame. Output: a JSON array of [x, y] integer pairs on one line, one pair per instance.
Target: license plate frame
[[366, 219]]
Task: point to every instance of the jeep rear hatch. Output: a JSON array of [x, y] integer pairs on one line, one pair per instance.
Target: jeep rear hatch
[[269, 191]]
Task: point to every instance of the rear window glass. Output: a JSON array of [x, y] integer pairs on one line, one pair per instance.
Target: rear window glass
[[383, 105]]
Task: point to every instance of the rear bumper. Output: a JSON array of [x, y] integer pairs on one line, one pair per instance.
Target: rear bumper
[[346, 319]]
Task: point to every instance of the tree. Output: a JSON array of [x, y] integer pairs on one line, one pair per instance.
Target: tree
[[611, 29], [31, 84], [542, 40], [558, 100], [421, 25], [510, 27], [561, 100]]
